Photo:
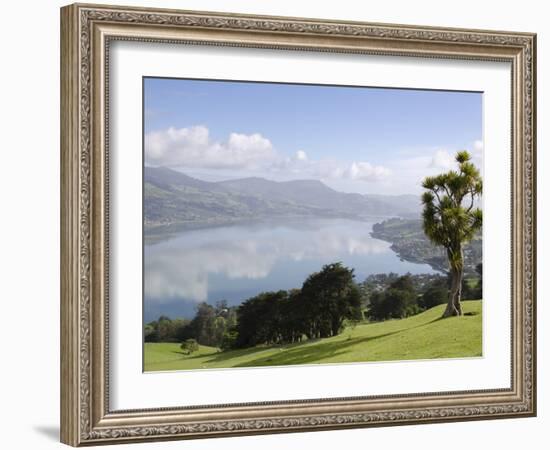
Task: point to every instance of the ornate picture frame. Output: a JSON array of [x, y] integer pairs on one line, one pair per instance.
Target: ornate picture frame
[[87, 31]]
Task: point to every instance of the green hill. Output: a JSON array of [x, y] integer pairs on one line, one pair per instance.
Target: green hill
[[411, 244], [424, 336], [173, 200]]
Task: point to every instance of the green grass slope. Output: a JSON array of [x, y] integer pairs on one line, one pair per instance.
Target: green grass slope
[[424, 336]]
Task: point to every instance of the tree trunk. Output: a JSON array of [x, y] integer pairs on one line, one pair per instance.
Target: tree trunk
[[454, 307]]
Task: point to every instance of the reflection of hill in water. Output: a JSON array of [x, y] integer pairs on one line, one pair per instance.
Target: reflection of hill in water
[[236, 262]]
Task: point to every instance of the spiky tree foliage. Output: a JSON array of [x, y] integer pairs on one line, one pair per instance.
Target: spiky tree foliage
[[450, 218]]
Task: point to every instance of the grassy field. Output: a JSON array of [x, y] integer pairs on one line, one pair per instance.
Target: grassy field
[[424, 336]]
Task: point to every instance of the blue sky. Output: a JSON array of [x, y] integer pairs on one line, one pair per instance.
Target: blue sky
[[355, 139]]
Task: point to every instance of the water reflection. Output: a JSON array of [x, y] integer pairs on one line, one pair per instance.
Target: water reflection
[[236, 262]]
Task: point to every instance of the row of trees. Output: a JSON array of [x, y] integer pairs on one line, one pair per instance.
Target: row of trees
[[319, 309], [390, 296], [211, 326], [397, 301], [165, 329]]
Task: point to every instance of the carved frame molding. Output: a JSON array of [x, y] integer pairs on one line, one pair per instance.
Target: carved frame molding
[[86, 32]]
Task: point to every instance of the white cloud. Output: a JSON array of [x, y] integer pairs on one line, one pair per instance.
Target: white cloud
[[442, 160], [477, 153], [477, 147], [192, 148], [331, 169], [365, 171], [328, 169], [301, 155]]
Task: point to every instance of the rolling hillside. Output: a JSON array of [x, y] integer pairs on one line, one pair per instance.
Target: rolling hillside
[[424, 336], [173, 198], [312, 193]]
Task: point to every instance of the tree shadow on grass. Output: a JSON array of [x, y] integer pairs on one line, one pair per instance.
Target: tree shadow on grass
[[229, 354], [232, 354], [296, 353], [300, 354], [309, 354]]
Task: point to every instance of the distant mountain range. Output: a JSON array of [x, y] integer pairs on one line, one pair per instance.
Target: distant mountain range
[[172, 198]]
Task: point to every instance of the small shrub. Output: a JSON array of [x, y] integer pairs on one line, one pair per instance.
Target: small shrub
[[189, 346]]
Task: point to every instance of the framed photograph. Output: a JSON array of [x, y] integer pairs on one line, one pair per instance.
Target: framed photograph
[[276, 224]]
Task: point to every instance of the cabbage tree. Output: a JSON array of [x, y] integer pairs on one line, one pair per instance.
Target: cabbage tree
[[451, 218]]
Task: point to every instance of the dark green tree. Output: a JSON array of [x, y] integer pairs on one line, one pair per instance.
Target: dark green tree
[[259, 319], [229, 340], [479, 286], [397, 301], [436, 293], [150, 332], [203, 326], [330, 297], [450, 218]]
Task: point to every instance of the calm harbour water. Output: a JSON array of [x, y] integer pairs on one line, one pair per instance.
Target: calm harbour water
[[237, 262]]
